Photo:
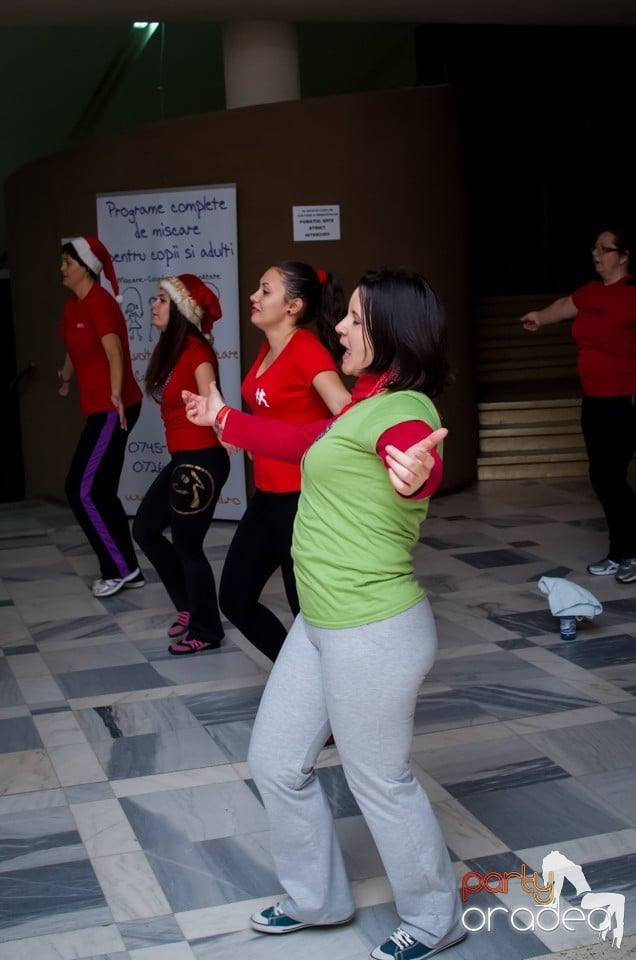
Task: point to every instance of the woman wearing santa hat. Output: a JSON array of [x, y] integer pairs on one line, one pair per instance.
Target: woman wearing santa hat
[[184, 495], [97, 352]]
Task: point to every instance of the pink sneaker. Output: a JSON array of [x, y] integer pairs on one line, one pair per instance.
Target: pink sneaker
[[180, 626], [191, 644]]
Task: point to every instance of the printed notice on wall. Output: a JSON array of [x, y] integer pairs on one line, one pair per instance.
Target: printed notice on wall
[[317, 223], [159, 234]]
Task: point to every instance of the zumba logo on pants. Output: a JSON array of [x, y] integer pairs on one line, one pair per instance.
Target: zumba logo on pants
[[191, 489]]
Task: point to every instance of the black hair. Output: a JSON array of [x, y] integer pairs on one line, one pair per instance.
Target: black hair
[[70, 250], [404, 324], [324, 303], [170, 347]]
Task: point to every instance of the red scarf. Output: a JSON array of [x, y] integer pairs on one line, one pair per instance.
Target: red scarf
[[368, 385]]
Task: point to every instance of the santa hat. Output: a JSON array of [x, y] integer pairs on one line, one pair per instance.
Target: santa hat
[[194, 299], [96, 257]]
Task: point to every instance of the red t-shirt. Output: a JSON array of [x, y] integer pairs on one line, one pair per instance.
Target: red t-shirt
[[180, 433], [84, 323], [605, 332], [284, 392]]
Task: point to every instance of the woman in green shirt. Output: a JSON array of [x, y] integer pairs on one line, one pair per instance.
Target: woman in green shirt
[[357, 653]]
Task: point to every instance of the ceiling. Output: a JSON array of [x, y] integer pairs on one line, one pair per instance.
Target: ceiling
[[55, 54], [38, 12]]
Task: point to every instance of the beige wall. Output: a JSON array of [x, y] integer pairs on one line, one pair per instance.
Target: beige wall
[[391, 160]]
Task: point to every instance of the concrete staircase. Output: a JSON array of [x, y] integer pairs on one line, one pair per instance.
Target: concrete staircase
[[529, 403], [530, 439]]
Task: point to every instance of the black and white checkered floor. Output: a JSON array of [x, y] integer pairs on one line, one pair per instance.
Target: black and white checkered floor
[[128, 825]]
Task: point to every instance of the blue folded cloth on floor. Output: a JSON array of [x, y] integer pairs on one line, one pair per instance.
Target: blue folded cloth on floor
[[567, 599]]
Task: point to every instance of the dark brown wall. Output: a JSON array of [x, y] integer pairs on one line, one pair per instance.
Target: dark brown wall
[[391, 160]]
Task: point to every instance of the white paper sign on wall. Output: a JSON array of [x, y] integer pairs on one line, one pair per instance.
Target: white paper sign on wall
[[317, 222]]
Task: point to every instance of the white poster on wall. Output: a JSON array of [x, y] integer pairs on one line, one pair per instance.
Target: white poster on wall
[[162, 233]]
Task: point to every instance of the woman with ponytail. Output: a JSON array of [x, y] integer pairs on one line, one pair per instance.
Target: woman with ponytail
[[294, 378]]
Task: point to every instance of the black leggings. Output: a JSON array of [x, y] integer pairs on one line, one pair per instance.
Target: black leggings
[[609, 430], [183, 498], [261, 544], [91, 490]]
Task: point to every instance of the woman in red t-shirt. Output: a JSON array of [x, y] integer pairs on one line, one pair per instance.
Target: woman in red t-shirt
[[184, 495], [294, 378], [97, 352], [604, 328]]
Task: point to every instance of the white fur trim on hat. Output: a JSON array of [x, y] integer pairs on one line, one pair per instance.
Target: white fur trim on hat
[[87, 255], [96, 258], [180, 295]]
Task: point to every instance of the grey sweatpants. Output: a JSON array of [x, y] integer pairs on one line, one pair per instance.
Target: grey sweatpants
[[360, 683]]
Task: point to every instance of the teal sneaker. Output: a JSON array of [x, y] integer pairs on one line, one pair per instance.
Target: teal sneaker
[[402, 946], [273, 920]]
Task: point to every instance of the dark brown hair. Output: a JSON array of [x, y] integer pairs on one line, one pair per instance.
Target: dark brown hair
[[324, 303], [170, 347], [404, 324]]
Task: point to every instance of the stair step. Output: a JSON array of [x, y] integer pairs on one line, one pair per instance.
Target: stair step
[[563, 404], [541, 441], [561, 428], [523, 374], [530, 471], [530, 415], [541, 456]]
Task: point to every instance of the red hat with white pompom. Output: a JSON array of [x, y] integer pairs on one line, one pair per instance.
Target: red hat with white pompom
[[194, 299], [96, 257]]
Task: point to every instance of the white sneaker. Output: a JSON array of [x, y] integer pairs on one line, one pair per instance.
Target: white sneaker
[[134, 584], [626, 571], [106, 588], [603, 568]]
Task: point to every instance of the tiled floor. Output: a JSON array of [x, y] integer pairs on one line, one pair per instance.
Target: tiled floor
[[129, 825]]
